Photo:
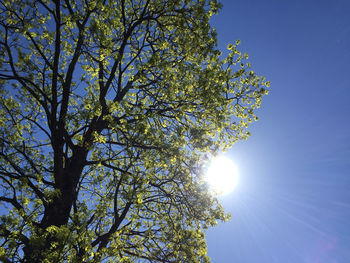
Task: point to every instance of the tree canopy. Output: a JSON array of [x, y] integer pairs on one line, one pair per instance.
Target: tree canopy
[[109, 110]]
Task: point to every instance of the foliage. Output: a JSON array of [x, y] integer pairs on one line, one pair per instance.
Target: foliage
[[108, 111]]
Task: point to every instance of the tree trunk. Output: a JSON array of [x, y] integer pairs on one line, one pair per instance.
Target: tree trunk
[[58, 210]]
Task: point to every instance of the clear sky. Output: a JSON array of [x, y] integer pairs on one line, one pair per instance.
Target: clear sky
[[293, 201]]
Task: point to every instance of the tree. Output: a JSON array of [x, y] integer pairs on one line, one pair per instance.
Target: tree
[[109, 111]]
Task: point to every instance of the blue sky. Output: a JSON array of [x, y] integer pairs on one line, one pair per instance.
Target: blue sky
[[293, 201]]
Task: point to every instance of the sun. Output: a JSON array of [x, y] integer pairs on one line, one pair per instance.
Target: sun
[[222, 175]]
